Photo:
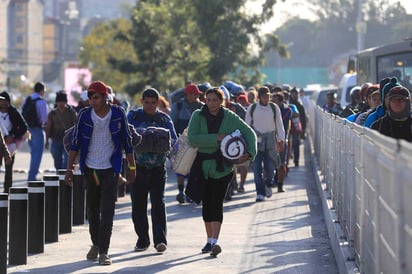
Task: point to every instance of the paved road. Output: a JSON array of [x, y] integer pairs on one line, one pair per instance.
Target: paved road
[[284, 234]]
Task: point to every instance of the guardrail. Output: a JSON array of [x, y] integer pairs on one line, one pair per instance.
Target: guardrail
[[368, 178]]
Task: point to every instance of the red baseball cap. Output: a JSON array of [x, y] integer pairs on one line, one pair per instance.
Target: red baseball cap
[[192, 89], [98, 87]]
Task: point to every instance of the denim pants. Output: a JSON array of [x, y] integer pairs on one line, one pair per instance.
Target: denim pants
[[101, 193], [295, 147], [265, 160], [59, 155], [149, 180], [36, 144]]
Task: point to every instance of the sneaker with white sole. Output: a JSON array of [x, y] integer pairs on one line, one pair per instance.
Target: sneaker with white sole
[[268, 191], [161, 247], [260, 198], [104, 259]]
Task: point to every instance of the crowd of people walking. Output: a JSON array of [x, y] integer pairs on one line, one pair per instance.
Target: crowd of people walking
[[270, 121]]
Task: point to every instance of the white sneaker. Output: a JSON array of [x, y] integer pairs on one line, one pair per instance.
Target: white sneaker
[[260, 198], [268, 191]]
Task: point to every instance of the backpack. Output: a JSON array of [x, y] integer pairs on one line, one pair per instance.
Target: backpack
[[252, 110], [29, 112]]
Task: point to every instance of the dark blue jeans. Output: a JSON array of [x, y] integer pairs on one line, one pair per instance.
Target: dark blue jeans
[[36, 144], [101, 192], [149, 180], [264, 160], [59, 154]]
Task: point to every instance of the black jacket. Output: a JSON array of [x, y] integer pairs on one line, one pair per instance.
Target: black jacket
[[392, 128], [19, 125]]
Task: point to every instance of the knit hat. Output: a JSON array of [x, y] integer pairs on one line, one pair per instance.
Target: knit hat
[[192, 89], [386, 84], [98, 87], [61, 96], [392, 83]]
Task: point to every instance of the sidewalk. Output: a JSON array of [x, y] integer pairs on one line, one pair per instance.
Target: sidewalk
[[284, 234]]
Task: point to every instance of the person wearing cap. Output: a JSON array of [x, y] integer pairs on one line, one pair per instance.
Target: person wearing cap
[[385, 86], [373, 100], [60, 118], [100, 126], [397, 122], [266, 120], [207, 128], [150, 176], [180, 113], [331, 105], [14, 130], [37, 134]]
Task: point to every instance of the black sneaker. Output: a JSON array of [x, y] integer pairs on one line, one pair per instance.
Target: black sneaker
[[207, 248], [216, 249], [93, 253], [180, 198], [140, 248]]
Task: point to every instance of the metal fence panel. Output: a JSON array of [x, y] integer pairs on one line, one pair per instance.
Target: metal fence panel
[[369, 178]]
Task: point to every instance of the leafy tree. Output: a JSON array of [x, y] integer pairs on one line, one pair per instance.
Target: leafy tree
[[180, 40], [107, 43]]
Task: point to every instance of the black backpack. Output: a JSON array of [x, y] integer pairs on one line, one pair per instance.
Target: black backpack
[[29, 112]]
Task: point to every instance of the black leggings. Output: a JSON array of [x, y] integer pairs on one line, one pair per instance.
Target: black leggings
[[215, 190]]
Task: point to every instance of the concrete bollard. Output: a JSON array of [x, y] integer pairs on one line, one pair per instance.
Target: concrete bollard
[[65, 205], [51, 230], [3, 232], [78, 199], [18, 199], [35, 242]]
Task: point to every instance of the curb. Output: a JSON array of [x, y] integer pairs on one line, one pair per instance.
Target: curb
[[337, 238]]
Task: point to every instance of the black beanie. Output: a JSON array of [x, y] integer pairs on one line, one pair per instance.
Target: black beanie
[[61, 96]]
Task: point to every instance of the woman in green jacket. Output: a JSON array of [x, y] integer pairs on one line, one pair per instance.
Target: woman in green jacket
[[207, 127]]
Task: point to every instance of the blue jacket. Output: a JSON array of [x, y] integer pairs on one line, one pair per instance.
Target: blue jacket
[[121, 136], [374, 116]]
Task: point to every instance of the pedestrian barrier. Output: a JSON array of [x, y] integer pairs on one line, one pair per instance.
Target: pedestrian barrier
[[36, 217], [3, 232], [367, 177], [78, 199], [18, 200], [51, 185], [65, 204]]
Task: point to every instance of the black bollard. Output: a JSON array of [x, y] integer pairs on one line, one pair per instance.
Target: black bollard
[[3, 232], [35, 242], [51, 230], [78, 199], [65, 206], [18, 199]]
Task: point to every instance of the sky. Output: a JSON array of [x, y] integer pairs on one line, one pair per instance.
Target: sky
[[290, 8]]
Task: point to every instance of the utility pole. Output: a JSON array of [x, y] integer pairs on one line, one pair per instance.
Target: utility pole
[[360, 28]]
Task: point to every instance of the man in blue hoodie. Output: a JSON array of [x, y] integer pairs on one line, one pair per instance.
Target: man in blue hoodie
[[100, 126]]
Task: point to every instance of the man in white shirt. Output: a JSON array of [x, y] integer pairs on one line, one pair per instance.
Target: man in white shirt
[[265, 118]]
